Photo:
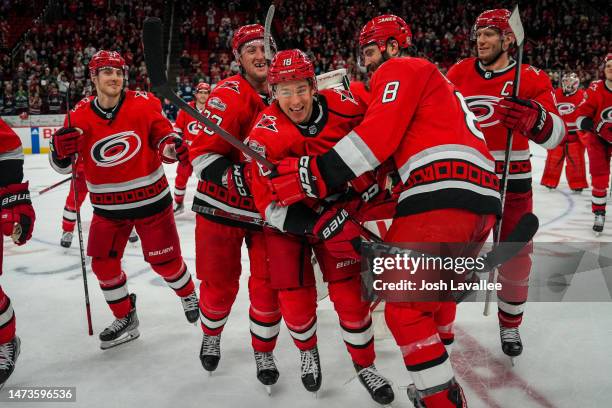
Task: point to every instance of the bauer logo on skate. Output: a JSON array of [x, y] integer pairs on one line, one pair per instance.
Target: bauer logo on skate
[[116, 149], [483, 107]]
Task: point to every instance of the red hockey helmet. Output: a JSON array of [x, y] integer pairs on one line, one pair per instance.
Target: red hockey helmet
[[248, 33], [496, 18], [291, 65], [570, 83], [382, 28], [105, 59], [202, 86]]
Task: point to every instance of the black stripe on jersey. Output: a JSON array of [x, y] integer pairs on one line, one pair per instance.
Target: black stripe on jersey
[[428, 364], [11, 172], [138, 212], [448, 198], [215, 171], [519, 185], [334, 171], [359, 330], [300, 219], [113, 302]]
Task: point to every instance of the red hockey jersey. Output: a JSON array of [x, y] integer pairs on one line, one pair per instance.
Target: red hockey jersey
[[483, 89], [124, 174], [10, 145], [188, 126], [234, 105], [566, 105], [596, 105], [360, 91], [276, 137], [417, 117], [11, 156]]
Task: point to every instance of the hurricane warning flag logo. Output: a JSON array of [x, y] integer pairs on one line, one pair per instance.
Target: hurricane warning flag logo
[[116, 149], [233, 85], [267, 122]]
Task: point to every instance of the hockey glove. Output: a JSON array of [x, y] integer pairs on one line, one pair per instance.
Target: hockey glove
[[172, 149], [526, 116], [604, 130], [238, 178], [66, 142], [17, 215], [366, 185], [340, 234], [297, 178]]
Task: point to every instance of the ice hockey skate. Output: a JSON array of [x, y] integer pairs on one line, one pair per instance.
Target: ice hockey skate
[[311, 369], [267, 372], [210, 352], [377, 386], [121, 330], [8, 358], [66, 240], [452, 392], [179, 208], [133, 236], [512, 345], [191, 307], [598, 225]]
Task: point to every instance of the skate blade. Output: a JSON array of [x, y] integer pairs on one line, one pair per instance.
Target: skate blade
[[597, 233], [512, 361], [269, 390], [131, 335]]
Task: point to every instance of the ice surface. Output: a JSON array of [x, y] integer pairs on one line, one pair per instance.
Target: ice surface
[[566, 361]]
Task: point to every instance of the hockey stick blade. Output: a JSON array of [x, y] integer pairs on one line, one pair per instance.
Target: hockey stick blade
[[517, 26], [152, 34], [514, 243], [268, 33]]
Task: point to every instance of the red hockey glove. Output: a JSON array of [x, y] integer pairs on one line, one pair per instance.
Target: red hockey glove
[[340, 234], [172, 149], [526, 116], [238, 178], [17, 215], [604, 130], [66, 142], [366, 185], [296, 179]]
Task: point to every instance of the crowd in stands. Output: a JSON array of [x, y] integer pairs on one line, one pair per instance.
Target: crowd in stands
[[55, 52], [563, 35]]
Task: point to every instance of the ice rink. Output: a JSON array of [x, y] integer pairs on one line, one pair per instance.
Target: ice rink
[[567, 361]]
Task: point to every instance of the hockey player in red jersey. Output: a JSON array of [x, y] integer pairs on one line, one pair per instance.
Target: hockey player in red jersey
[[223, 185], [122, 138], [486, 83], [594, 114], [303, 121], [446, 173], [571, 150], [17, 221], [189, 128]]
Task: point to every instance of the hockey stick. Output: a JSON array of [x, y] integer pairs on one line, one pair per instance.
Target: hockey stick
[[518, 238], [52, 186], [268, 33], [152, 35], [79, 224], [231, 216], [517, 28]]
